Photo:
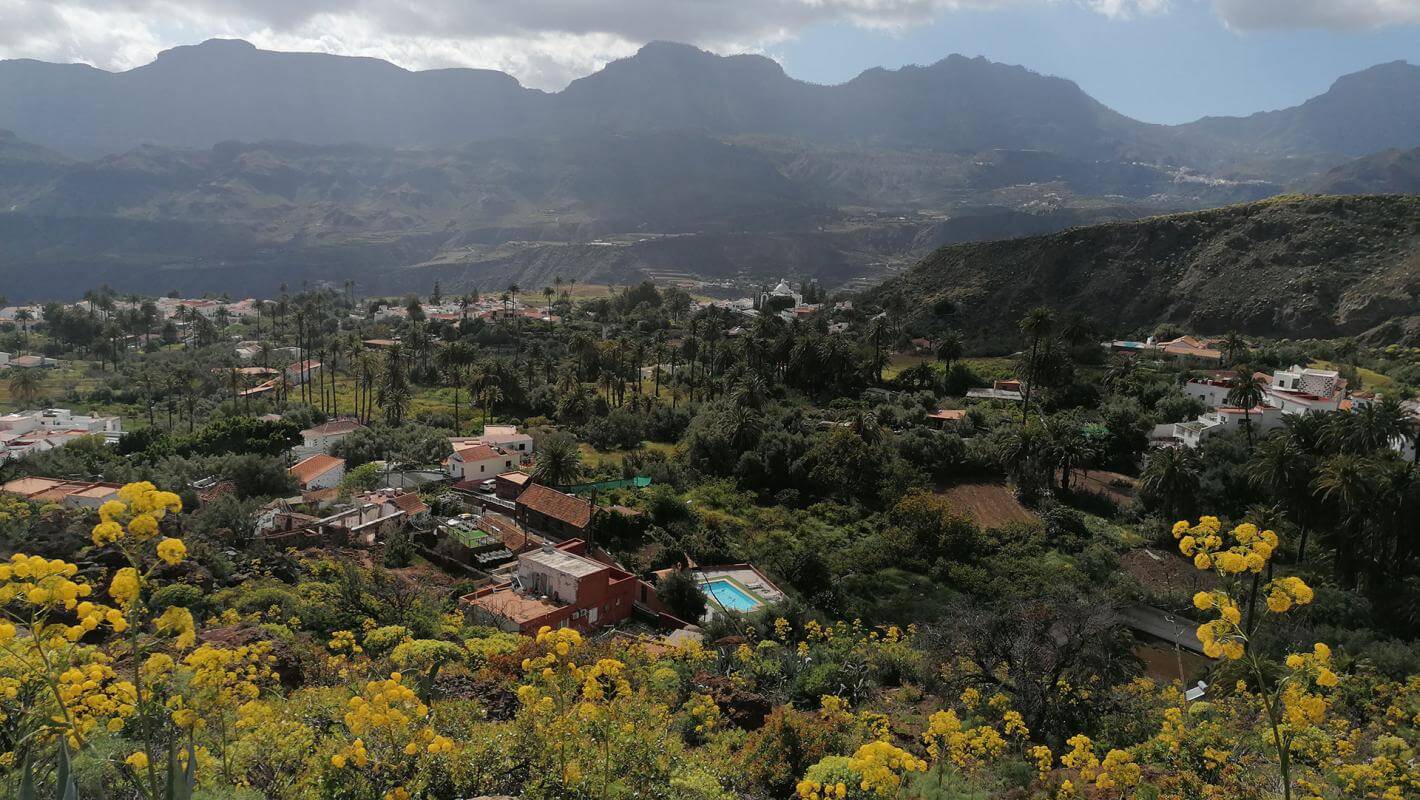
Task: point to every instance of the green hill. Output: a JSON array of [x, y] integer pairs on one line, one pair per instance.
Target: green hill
[[1290, 266]]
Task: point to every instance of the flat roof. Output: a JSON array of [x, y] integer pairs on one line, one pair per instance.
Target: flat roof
[[565, 562], [513, 605]]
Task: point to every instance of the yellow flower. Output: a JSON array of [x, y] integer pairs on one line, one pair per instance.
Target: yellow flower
[[173, 551], [124, 587], [138, 761], [1203, 601]]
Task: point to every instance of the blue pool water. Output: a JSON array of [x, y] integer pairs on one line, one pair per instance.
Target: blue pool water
[[730, 596]]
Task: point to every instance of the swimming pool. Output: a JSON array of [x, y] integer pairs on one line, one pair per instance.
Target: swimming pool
[[732, 597]]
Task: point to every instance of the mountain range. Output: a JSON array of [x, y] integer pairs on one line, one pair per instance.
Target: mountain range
[[223, 167]]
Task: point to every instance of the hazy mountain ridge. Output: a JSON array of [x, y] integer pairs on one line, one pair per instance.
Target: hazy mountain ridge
[[196, 96], [1291, 266], [683, 161]]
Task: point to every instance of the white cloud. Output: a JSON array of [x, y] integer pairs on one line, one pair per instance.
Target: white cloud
[[544, 43], [1333, 14]]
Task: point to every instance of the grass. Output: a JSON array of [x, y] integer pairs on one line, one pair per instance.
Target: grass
[[1371, 380], [79, 376], [986, 368]]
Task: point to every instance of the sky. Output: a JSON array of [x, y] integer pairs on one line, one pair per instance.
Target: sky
[[1163, 61]]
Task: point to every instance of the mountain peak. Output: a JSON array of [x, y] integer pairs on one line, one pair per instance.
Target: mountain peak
[[209, 47]]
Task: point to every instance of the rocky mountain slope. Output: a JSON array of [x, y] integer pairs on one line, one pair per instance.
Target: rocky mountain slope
[[1289, 266], [1386, 172]]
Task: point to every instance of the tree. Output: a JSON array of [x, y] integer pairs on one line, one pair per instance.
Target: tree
[[949, 349], [1170, 481], [454, 361], [394, 391], [559, 461], [25, 385], [1036, 325], [682, 596], [1235, 346], [1345, 483], [1246, 393]]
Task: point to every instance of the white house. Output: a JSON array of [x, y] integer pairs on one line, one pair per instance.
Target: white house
[[1264, 419], [1212, 391], [4, 359], [476, 462], [318, 472], [27, 432], [506, 437], [322, 437], [1302, 389]]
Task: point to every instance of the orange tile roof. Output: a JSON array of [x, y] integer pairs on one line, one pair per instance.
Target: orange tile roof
[[551, 503], [948, 414], [311, 468]]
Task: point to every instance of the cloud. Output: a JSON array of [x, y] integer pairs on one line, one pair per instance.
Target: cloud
[[544, 43], [1248, 15]]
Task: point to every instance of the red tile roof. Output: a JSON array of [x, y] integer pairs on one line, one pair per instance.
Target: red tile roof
[[311, 468], [477, 452], [551, 503], [410, 504]]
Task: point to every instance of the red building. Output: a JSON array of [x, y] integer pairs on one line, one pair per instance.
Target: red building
[[557, 587]]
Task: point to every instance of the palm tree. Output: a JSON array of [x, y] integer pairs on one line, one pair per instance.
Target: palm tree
[[24, 316], [1372, 427], [1036, 325], [744, 428], [394, 391], [879, 329], [949, 349], [1234, 344], [1284, 470], [1345, 481], [453, 361], [1171, 480], [25, 385], [491, 394], [1119, 374], [1246, 393], [559, 461]]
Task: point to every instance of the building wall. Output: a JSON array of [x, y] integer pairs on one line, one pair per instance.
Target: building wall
[[482, 469], [330, 479]]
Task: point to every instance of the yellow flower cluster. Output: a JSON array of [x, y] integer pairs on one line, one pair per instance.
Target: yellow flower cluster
[[1284, 593], [1043, 759], [177, 622], [1249, 552], [172, 551], [966, 748], [881, 766], [45, 586], [95, 696], [704, 713], [142, 506], [875, 770], [390, 715]]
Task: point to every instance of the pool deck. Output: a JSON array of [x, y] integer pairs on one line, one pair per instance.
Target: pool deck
[[746, 577]]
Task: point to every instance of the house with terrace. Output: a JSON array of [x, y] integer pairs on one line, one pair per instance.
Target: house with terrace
[[555, 587]]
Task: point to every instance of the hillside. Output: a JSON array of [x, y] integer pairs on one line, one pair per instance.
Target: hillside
[[602, 208], [1386, 172], [1292, 266]]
